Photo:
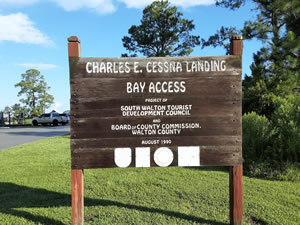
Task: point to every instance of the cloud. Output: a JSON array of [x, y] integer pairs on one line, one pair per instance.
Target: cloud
[[56, 106], [38, 66], [18, 2], [191, 3], [100, 6], [182, 3], [19, 28], [136, 3], [106, 6]]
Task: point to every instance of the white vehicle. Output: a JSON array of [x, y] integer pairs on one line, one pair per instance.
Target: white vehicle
[[66, 116], [49, 118]]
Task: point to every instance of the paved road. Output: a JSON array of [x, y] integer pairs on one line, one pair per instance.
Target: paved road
[[10, 137]]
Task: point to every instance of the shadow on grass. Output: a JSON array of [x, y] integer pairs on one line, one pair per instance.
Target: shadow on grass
[[14, 196]]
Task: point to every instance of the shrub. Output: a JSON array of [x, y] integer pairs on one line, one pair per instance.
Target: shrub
[[257, 132], [286, 120], [291, 172], [287, 171], [271, 149]]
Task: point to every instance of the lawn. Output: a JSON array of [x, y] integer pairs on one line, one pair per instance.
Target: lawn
[[35, 189]]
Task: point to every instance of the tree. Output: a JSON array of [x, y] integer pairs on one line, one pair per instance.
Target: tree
[[232, 4], [163, 32], [275, 20], [18, 111], [7, 110], [1, 119], [34, 89], [275, 70]]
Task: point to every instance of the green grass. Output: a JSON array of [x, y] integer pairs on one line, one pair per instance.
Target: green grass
[[35, 189]]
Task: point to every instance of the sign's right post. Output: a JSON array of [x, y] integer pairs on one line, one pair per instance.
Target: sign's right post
[[236, 172]]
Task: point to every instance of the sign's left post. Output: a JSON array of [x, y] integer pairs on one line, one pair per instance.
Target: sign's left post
[[74, 51]]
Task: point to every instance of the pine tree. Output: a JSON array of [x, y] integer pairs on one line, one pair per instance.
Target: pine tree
[[276, 65], [35, 89], [163, 32]]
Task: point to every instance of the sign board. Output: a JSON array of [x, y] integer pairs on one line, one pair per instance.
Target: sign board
[[144, 112]]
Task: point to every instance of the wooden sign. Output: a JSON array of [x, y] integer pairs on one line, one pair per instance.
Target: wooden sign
[[144, 112]]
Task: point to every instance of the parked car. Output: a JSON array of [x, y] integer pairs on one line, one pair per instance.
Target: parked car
[[66, 115], [49, 118]]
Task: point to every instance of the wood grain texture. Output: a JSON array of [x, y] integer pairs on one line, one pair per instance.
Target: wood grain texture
[[210, 126], [97, 98], [236, 194], [200, 107], [116, 87], [233, 67], [236, 171], [209, 156], [77, 197], [77, 183], [132, 142]]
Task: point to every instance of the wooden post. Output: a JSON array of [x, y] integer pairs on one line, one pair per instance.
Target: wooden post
[[77, 175], [77, 197], [236, 172], [74, 49]]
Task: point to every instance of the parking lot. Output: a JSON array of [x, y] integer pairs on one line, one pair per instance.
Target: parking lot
[[10, 137]]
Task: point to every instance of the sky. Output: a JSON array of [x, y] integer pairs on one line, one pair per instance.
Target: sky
[[33, 35]]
